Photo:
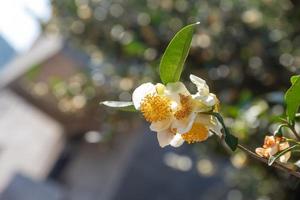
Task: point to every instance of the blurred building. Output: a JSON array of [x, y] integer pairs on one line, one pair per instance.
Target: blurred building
[[31, 141], [7, 52], [47, 102]]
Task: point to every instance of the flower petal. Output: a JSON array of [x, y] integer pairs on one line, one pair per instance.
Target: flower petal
[[174, 89], [140, 92], [210, 100], [216, 127], [184, 125], [164, 137], [176, 141], [284, 158], [261, 152], [202, 87], [161, 125], [272, 150]]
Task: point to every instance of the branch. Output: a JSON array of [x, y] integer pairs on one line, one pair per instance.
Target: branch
[[292, 128], [264, 160]]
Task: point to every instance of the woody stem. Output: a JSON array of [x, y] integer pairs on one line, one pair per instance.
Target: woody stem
[[264, 160]]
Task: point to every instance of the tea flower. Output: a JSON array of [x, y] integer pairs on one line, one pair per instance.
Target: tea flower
[[175, 114], [271, 146]]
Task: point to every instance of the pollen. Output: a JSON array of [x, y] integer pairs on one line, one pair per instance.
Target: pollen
[[156, 108], [185, 107], [198, 133]]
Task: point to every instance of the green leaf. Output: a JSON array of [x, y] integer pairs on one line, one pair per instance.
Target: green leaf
[[230, 139], [292, 98], [128, 109], [272, 159], [278, 132], [294, 79], [121, 105], [171, 64]]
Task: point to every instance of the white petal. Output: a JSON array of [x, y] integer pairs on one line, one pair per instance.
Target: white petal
[[164, 137], [197, 81], [210, 100], [174, 89], [273, 150], [184, 125], [140, 92], [283, 146], [202, 87], [176, 141], [177, 87], [284, 158], [161, 125], [211, 123], [216, 127]]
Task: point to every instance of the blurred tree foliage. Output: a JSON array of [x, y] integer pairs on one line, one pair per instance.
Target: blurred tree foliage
[[247, 49], [251, 44]]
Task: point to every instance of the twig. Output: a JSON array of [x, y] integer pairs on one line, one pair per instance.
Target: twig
[[292, 128], [264, 160]]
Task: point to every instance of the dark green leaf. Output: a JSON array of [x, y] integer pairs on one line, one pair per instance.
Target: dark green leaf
[[171, 64], [230, 139], [292, 98], [122, 105]]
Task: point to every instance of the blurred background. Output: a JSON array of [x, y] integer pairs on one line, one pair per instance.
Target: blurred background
[[60, 58]]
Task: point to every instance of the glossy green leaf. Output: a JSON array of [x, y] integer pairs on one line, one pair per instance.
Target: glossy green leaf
[[230, 139], [173, 59], [292, 98], [294, 79], [121, 105]]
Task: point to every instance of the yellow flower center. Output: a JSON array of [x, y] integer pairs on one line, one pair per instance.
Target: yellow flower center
[[197, 133], [185, 107], [156, 108]]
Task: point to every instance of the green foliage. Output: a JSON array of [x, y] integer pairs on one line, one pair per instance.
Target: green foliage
[[294, 79], [173, 59], [278, 131], [33, 72], [134, 48], [230, 139], [121, 105], [292, 98]]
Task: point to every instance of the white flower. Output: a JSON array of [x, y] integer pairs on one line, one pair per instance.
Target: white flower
[[273, 145], [203, 94], [174, 113]]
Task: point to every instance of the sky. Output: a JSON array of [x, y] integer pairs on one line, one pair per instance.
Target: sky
[[18, 24]]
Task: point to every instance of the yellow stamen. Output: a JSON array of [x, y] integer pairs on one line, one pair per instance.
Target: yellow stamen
[[198, 133], [185, 107], [156, 108]]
